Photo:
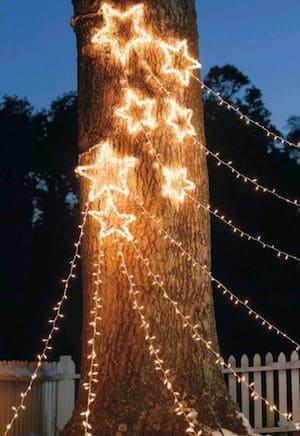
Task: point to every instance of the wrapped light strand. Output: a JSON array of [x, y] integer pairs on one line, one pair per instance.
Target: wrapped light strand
[[93, 371], [246, 179], [154, 351], [197, 337], [243, 234], [249, 121], [234, 299], [58, 315]]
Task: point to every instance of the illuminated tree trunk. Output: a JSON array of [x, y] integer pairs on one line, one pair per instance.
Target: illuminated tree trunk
[[130, 396]]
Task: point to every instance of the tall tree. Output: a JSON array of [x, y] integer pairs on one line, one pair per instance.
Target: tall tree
[[129, 397]]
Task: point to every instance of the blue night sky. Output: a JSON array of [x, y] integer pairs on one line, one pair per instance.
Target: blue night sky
[[260, 37]]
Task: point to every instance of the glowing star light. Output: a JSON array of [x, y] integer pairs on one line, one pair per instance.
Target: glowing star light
[[179, 118], [178, 62], [176, 184], [108, 174], [112, 221], [137, 112], [121, 30]]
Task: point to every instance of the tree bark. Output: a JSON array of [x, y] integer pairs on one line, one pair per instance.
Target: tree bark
[[131, 398]]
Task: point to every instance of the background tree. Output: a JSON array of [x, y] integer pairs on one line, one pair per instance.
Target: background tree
[[38, 190]]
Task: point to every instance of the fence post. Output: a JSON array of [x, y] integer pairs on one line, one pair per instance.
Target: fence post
[[270, 391], [258, 388], [232, 384], [65, 391], [295, 389], [282, 385], [244, 388], [47, 401]]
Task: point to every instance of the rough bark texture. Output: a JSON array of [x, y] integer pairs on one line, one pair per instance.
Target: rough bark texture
[[131, 399]]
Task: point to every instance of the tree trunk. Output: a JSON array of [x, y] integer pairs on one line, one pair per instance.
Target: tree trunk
[[130, 397]]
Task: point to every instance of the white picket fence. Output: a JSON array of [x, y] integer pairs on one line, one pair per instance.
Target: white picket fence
[[277, 381], [51, 400]]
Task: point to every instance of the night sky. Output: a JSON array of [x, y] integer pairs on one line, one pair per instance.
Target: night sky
[[260, 37]]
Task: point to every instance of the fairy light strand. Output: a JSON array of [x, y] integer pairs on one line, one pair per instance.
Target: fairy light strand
[[243, 117], [58, 315], [154, 351], [187, 322], [246, 179], [220, 286], [239, 232], [93, 371]]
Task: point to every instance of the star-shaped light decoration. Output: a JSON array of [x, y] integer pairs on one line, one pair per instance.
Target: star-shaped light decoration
[[112, 221], [179, 118], [138, 112], [178, 61], [176, 184], [109, 172], [122, 30]]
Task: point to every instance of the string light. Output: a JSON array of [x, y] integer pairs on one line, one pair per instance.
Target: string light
[[178, 61], [136, 111], [196, 336], [176, 184], [179, 118], [58, 315], [93, 371], [243, 117], [243, 234], [246, 179], [220, 286], [109, 167], [154, 352], [122, 30]]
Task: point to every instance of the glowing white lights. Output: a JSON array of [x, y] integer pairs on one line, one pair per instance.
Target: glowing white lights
[[178, 61], [180, 119], [176, 184], [138, 112], [121, 30], [109, 172], [242, 233], [112, 221], [246, 179], [249, 121], [92, 376]]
